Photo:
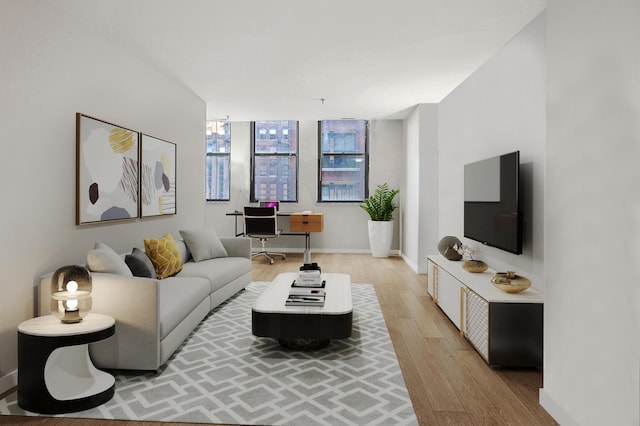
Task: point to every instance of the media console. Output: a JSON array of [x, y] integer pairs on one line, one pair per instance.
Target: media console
[[504, 328]]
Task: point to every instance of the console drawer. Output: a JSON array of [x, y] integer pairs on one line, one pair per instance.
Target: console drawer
[[306, 222]]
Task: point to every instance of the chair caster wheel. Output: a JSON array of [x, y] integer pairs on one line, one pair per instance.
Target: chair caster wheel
[[284, 256], [271, 262]]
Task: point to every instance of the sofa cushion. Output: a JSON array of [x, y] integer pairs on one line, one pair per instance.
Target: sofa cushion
[[104, 259], [177, 297], [164, 255], [219, 272], [203, 243], [140, 264], [185, 254]]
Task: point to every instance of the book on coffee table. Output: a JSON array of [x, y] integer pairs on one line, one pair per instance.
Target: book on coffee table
[[310, 277], [301, 300], [298, 283], [306, 291]]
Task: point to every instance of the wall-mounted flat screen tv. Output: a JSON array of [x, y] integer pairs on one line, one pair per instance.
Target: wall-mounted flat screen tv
[[492, 210]]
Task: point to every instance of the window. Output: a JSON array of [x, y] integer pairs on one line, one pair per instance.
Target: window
[[218, 159], [274, 158], [344, 157]]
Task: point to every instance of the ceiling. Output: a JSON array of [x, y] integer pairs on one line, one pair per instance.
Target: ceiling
[[307, 59]]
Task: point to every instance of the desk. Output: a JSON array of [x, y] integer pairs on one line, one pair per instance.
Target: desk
[[306, 222], [301, 223]]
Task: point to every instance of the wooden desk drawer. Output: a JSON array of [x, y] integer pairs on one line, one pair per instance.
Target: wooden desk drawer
[[312, 222]]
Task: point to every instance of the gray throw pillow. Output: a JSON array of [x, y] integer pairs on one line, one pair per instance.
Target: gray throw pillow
[[140, 264], [103, 259], [203, 243]]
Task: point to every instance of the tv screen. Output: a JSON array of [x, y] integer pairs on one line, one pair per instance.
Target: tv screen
[[492, 211]]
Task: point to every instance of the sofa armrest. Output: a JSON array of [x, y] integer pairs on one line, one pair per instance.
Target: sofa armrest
[[133, 302], [237, 247]]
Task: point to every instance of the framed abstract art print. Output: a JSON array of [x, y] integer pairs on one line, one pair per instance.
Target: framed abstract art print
[[107, 171], [158, 177]]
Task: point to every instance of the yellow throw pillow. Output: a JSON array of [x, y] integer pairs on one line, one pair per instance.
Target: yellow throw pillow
[[164, 255]]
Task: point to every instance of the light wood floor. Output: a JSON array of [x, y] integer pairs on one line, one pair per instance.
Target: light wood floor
[[449, 383]]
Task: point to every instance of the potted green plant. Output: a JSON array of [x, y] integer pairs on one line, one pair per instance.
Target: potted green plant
[[380, 207]]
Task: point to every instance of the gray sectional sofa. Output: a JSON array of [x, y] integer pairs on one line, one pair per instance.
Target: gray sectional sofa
[[154, 316]]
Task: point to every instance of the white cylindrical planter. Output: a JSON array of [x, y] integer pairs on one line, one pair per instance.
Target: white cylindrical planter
[[380, 237]]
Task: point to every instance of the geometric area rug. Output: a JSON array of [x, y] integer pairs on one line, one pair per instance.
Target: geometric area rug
[[224, 374]]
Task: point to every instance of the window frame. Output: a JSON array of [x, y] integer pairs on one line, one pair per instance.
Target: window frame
[[287, 156], [218, 155], [364, 155]]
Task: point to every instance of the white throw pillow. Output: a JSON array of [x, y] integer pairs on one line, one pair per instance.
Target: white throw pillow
[[203, 243], [103, 259]]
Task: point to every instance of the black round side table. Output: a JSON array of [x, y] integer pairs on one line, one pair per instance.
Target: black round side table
[[55, 372]]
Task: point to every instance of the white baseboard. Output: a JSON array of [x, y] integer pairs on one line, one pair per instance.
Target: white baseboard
[[555, 410], [411, 264], [8, 382]]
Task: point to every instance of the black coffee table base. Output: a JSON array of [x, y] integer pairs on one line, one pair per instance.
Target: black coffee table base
[[302, 331]]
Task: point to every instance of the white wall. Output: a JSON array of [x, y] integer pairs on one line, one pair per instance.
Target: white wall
[[500, 108], [345, 224], [592, 219], [420, 203], [48, 72], [411, 193]]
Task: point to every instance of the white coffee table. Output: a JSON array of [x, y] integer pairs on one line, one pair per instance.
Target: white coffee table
[[304, 326]]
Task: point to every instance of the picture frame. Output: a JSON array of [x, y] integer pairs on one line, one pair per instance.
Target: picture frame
[[157, 177], [107, 171]]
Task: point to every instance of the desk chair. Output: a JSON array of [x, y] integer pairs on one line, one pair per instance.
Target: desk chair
[[261, 223]]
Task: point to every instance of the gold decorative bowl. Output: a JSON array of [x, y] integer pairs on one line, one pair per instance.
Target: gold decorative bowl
[[476, 266], [509, 282]]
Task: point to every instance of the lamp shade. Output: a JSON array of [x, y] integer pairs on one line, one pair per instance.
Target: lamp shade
[[71, 293]]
